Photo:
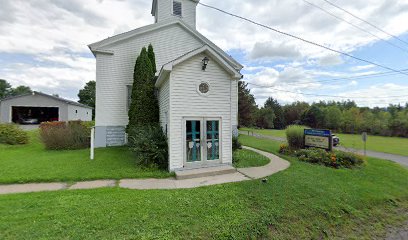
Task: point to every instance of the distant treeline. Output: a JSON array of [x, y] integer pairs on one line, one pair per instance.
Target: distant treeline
[[342, 117]]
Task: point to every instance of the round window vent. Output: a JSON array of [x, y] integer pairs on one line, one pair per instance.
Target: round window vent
[[204, 88]]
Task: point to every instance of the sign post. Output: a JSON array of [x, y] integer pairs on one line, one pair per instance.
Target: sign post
[[318, 139], [92, 143], [364, 137]]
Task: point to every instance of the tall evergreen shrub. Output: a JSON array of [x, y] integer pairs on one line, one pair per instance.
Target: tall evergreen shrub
[[144, 107], [152, 57]]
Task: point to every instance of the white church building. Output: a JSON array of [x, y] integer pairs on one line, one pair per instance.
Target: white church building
[[197, 86]]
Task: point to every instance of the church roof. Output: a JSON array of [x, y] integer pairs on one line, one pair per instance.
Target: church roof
[[98, 47], [168, 67]]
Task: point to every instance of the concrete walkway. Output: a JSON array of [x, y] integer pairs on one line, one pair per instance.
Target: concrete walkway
[[403, 160], [243, 174]]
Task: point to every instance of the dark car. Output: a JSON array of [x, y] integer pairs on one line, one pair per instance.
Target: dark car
[[336, 140]]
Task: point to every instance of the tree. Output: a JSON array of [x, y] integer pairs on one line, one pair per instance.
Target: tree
[[144, 107], [87, 95], [20, 90], [265, 118], [5, 89], [293, 112], [332, 117], [152, 57], [273, 104], [313, 117], [246, 105]]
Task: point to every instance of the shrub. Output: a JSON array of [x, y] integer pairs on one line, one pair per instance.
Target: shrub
[[12, 134], [336, 159], [150, 145], [65, 135], [236, 144], [348, 160], [284, 149], [295, 136]]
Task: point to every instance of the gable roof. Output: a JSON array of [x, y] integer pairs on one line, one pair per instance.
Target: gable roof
[[48, 96], [98, 47], [168, 67]]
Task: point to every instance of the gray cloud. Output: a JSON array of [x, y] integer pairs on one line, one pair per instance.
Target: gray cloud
[[274, 51], [78, 9], [7, 12]]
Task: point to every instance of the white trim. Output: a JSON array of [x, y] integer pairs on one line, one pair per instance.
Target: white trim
[[201, 93], [203, 151], [168, 67], [97, 46]]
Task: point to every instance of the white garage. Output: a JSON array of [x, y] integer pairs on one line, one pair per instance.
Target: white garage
[[37, 107]]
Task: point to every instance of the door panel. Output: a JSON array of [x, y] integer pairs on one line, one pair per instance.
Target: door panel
[[193, 137], [213, 140]]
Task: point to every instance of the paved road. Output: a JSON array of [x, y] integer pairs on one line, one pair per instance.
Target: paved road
[[29, 127], [403, 160]]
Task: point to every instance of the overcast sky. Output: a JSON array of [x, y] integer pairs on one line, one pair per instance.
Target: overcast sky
[[43, 44]]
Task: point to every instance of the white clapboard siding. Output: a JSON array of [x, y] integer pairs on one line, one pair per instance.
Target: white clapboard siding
[[164, 103], [187, 102], [115, 72], [165, 11], [234, 103]]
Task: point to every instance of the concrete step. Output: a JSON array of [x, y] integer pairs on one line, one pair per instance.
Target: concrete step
[[204, 172]]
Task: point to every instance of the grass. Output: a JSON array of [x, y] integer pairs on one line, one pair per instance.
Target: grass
[[267, 132], [244, 158], [393, 145], [32, 163], [303, 202]]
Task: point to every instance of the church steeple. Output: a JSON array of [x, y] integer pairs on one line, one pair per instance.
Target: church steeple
[[166, 10]]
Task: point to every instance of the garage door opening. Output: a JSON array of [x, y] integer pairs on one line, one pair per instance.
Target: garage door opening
[[34, 115]]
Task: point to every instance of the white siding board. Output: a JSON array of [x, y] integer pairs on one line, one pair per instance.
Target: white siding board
[[187, 102], [164, 104], [114, 72], [79, 113], [165, 11]]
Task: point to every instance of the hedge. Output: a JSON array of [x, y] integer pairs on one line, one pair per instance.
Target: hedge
[[13, 135], [65, 135]]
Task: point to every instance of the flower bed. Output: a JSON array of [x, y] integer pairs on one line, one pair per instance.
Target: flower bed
[[335, 159]]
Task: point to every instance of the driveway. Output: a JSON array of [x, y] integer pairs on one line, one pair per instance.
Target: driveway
[[29, 127], [403, 160]]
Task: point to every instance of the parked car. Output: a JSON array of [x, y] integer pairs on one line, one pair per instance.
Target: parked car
[[29, 121], [336, 140]]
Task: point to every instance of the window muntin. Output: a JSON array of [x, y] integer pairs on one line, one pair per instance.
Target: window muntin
[[204, 88]]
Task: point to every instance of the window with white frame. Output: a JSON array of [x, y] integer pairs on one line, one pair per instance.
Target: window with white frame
[[177, 8]]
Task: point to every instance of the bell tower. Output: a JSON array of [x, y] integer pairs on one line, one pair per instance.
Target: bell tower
[[167, 10]]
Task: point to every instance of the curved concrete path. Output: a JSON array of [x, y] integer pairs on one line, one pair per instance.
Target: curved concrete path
[[243, 174]]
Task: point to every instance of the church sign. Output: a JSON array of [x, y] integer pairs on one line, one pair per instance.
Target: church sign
[[318, 138]]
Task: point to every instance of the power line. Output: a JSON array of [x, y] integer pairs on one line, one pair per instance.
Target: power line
[[389, 73], [302, 39], [322, 95], [355, 26], [372, 25]]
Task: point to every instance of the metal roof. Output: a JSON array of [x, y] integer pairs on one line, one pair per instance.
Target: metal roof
[[49, 96]]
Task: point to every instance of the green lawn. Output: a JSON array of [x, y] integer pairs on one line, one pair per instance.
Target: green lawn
[[267, 132], [32, 163], [303, 202], [244, 158], [393, 145]]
